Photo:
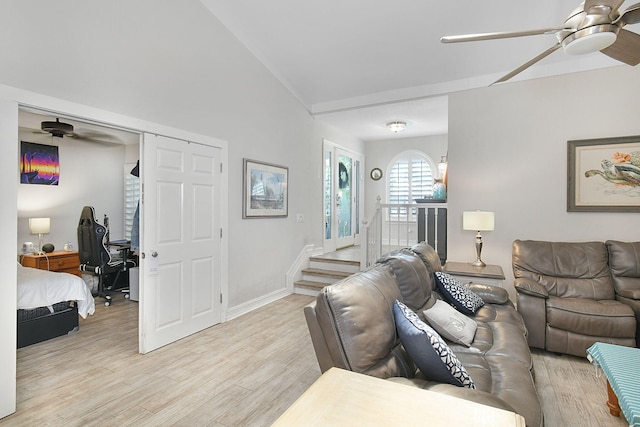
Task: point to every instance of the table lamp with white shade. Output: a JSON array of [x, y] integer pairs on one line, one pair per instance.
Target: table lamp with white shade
[[39, 226], [478, 221]]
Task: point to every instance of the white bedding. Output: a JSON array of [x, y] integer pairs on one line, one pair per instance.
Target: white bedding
[[42, 288]]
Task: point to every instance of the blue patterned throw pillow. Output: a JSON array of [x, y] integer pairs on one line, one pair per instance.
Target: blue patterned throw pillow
[[428, 350], [456, 293]]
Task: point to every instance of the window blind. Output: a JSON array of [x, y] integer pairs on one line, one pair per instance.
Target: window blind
[[409, 179], [131, 197]]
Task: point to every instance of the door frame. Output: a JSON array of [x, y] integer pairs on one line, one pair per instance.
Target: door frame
[[330, 245], [12, 99]]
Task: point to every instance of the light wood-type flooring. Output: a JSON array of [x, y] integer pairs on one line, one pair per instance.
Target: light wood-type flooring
[[244, 372]]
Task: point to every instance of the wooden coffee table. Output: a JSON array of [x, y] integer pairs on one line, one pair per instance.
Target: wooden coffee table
[[341, 397], [621, 366]]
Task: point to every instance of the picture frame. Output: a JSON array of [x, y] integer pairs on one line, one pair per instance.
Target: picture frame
[[603, 175], [39, 164], [264, 190]]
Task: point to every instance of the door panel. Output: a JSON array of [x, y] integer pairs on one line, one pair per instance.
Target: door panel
[[181, 240], [344, 201], [342, 189]]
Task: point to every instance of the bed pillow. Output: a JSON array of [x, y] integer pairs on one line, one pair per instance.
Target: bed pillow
[[456, 293], [450, 323], [428, 350]]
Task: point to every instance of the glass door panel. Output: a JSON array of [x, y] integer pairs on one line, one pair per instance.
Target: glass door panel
[[344, 199], [328, 205]]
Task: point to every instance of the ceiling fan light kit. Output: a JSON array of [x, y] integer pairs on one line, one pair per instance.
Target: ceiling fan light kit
[[596, 25], [589, 40]]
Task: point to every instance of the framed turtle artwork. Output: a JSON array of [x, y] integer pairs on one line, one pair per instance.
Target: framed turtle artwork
[[603, 175]]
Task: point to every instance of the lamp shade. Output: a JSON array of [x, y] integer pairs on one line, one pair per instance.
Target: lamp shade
[[39, 225], [477, 221]]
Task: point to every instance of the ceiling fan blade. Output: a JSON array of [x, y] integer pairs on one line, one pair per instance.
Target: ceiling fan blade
[[613, 4], [499, 35], [631, 15], [528, 63], [626, 48]]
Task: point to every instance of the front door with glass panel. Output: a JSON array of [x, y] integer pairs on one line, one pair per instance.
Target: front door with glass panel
[[342, 188]]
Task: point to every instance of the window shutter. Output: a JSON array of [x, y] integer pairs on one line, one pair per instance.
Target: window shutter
[[409, 179], [131, 197]]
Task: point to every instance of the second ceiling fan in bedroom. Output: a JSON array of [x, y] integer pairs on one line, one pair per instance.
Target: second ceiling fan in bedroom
[[596, 25]]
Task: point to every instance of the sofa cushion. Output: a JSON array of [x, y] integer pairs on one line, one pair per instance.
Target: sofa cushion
[[489, 293], [414, 281], [356, 317], [624, 261], [565, 269], [457, 294], [606, 318], [450, 323], [429, 256], [429, 352]]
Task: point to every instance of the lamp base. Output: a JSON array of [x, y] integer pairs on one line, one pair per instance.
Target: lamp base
[[478, 263]]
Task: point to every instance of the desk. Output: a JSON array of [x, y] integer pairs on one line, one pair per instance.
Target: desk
[[342, 397], [123, 247], [464, 272]]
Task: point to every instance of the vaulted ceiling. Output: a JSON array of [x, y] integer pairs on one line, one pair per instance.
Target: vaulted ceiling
[[358, 64]]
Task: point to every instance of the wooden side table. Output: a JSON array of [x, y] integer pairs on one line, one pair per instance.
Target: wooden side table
[[465, 272], [60, 261], [342, 397]]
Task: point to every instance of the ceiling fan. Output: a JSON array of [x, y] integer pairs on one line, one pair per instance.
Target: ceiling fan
[[595, 25], [61, 129]]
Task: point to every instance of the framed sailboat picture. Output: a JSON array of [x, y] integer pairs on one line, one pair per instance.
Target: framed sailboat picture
[[264, 190]]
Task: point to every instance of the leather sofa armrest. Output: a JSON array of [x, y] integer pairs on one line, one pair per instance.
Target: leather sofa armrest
[[490, 294], [630, 293], [325, 361], [530, 287]]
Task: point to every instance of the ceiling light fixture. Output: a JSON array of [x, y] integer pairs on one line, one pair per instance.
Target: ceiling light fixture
[[591, 39], [396, 127]]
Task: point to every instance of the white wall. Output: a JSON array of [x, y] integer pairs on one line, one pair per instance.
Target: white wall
[[175, 64], [90, 175], [379, 154], [508, 154]]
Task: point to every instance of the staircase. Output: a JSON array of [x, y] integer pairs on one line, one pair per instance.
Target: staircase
[[324, 270]]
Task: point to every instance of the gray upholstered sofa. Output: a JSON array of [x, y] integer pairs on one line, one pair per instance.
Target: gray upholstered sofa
[[624, 263], [573, 294], [352, 327]]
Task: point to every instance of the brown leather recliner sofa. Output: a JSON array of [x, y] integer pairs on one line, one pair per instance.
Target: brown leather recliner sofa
[[624, 262], [572, 295], [352, 327]]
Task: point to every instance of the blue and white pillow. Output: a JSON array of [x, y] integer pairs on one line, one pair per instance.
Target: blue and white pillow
[[428, 350], [456, 293]]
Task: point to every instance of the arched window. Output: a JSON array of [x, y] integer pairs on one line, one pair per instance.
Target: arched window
[[409, 177]]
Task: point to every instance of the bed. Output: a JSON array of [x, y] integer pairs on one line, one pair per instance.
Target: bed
[[49, 304]]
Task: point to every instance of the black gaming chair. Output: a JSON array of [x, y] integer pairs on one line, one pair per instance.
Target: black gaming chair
[[95, 257]]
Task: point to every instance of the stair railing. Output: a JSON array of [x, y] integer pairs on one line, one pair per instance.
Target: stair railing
[[396, 226]]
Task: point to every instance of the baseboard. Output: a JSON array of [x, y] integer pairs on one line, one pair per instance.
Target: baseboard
[[294, 271], [302, 261], [248, 306]]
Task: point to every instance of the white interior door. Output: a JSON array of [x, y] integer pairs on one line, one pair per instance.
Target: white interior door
[[180, 254]]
